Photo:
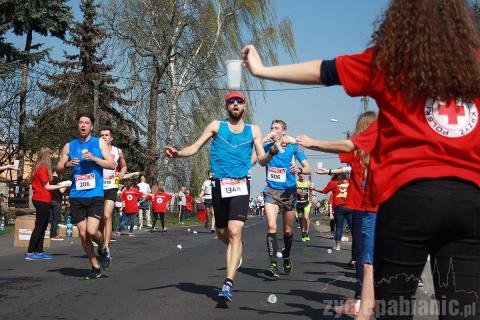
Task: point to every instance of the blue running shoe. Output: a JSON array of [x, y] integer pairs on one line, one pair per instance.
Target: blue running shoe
[[32, 256], [226, 293], [44, 256]]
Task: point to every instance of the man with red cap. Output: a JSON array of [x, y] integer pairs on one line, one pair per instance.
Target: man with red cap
[[233, 141]]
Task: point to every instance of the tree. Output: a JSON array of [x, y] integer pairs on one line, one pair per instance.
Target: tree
[[46, 17], [9, 55], [182, 45], [84, 85]]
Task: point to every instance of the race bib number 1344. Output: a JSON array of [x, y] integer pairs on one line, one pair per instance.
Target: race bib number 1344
[[233, 187]]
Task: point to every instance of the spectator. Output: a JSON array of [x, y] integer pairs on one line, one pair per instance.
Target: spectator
[[144, 206]]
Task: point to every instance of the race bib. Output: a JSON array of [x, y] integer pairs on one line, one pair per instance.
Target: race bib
[[110, 182], [85, 181], [233, 187], [277, 174]]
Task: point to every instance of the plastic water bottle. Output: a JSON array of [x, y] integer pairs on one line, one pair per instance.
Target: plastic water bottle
[[69, 226], [2, 224]]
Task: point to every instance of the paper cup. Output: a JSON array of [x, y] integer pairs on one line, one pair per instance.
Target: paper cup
[[16, 163], [234, 73], [319, 165]]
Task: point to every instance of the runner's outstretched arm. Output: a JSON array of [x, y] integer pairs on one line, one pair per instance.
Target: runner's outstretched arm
[[262, 156], [209, 131]]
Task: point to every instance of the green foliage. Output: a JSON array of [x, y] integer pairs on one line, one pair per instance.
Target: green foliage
[[73, 92]]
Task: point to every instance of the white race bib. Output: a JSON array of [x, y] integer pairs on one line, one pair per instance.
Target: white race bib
[[110, 182], [85, 181], [233, 187], [277, 174]]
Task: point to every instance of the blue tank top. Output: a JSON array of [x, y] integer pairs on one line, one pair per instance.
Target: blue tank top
[[231, 153], [82, 173], [278, 174]]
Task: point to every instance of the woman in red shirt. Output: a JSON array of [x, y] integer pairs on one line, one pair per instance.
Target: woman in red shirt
[[130, 198], [41, 198], [159, 199], [423, 71], [338, 186]]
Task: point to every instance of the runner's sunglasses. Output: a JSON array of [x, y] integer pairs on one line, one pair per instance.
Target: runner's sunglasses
[[232, 100]]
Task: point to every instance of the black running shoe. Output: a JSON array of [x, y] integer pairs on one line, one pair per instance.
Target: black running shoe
[[104, 257], [272, 271], [95, 273], [287, 265]]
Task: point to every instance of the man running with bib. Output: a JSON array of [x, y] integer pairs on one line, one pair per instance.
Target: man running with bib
[[87, 156], [304, 205], [280, 196], [111, 182], [230, 161]]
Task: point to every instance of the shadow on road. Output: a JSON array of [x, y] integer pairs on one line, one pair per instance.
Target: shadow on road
[[72, 272], [304, 311], [204, 290]]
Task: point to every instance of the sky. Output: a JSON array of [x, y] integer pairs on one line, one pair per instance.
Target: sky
[[323, 29]]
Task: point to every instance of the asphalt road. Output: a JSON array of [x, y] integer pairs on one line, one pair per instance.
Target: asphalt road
[[151, 279]]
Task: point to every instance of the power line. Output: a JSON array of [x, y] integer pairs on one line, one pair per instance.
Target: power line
[[203, 87]]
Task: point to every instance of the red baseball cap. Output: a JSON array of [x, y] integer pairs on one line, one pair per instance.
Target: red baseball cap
[[234, 94]]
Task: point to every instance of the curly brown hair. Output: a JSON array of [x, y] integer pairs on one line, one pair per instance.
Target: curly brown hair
[[428, 47]]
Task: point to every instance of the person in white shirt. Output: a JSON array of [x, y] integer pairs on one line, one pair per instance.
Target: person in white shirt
[[207, 199], [144, 206]]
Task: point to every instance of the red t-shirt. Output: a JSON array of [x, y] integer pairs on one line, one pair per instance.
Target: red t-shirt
[[130, 197], [339, 192], [355, 190], [188, 198], [40, 178], [416, 139], [366, 141], [159, 201]]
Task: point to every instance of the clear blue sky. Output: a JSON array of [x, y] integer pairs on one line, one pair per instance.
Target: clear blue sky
[[323, 29]]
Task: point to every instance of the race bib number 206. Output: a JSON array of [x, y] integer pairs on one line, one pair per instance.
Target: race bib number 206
[[85, 182], [233, 187]]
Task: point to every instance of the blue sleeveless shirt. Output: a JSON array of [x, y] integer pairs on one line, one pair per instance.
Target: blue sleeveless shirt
[[231, 153], [86, 167]]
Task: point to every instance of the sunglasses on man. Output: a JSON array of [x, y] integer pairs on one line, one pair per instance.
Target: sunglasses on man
[[232, 100]]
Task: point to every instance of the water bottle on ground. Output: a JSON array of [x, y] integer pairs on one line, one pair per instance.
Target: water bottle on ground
[[69, 226]]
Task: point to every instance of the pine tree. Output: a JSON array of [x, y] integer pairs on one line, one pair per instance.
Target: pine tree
[[85, 74]]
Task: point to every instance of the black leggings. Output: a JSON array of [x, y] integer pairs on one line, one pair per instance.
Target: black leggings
[[41, 223], [440, 217]]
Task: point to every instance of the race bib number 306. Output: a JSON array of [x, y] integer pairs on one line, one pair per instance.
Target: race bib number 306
[[233, 187], [85, 182], [277, 174]]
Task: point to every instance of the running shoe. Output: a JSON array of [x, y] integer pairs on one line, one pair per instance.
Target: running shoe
[[420, 283], [105, 258], [287, 265], [226, 293], [304, 239], [57, 238], [44, 256], [272, 271], [95, 273], [307, 237], [32, 256], [131, 235]]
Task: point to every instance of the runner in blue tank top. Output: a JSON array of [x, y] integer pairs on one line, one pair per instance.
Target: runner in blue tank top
[[280, 195], [87, 156], [230, 160]]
